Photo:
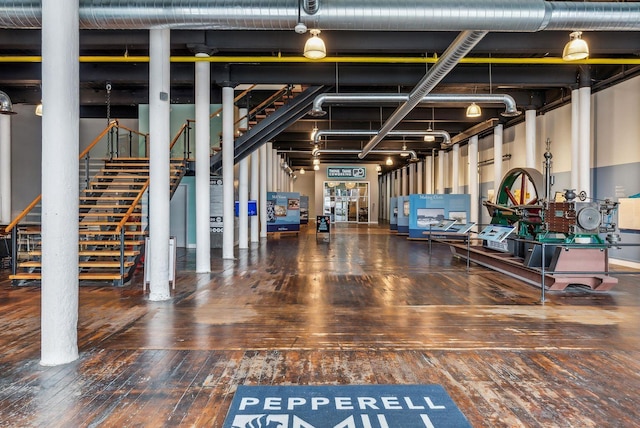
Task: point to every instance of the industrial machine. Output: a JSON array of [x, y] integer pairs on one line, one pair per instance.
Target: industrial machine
[[560, 235]]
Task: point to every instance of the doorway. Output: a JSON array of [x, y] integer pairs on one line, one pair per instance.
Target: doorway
[[347, 201]]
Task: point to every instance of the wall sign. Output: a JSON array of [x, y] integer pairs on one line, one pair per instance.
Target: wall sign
[[356, 172], [344, 406]]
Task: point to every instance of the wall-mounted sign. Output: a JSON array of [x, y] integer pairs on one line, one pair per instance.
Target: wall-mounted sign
[[356, 172]]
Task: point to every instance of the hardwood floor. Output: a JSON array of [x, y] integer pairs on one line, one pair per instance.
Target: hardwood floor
[[368, 307]]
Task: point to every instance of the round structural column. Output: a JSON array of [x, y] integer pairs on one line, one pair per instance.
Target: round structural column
[[5, 168], [530, 138], [159, 158], [203, 166], [473, 177], [584, 150], [455, 169], [440, 188], [60, 182], [262, 204], [243, 204], [575, 138], [254, 193], [420, 170], [227, 172], [498, 133]]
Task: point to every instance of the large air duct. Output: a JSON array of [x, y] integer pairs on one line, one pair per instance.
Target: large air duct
[[354, 98], [412, 153], [446, 138], [365, 15]]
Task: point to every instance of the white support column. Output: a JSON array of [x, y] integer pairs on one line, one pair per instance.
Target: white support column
[[159, 141], [584, 152], [498, 132], [440, 180], [575, 138], [268, 163], [405, 181], [60, 182], [243, 204], [262, 202], [473, 177], [530, 138], [254, 193], [203, 165], [275, 164], [428, 175], [455, 169], [5, 169], [388, 195], [412, 178], [227, 173], [420, 178]]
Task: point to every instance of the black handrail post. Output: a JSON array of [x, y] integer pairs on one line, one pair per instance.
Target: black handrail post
[[86, 171], [14, 250], [130, 144], [122, 255]]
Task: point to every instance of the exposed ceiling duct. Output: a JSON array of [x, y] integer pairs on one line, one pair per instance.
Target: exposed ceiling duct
[[413, 155], [369, 133], [510, 104], [366, 15], [462, 45]]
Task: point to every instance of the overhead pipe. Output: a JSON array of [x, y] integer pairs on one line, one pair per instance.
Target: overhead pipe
[[462, 45], [412, 153], [368, 133], [511, 109], [362, 15]]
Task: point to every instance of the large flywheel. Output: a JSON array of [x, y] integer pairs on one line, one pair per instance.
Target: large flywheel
[[518, 201]]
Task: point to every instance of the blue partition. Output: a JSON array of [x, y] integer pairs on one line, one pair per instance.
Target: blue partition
[[427, 209], [393, 213], [403, 214]]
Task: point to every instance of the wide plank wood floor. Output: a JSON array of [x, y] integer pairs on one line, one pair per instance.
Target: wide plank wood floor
[[368, 307]]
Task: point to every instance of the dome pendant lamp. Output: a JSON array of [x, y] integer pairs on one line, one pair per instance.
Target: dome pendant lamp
[[576, 49], [314, 48]]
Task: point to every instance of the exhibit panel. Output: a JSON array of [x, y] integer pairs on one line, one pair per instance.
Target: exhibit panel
[[393, 213], [427, 211], [403, 215], [283, 211]]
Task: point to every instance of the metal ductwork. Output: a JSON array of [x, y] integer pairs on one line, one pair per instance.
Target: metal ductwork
[[413, 155], [365, 15], [462, 45], [369, 133], [511, 109], [6, 107]]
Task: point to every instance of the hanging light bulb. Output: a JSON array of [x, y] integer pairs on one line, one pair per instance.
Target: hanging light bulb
[[404, 154], [378, 168], [316, 167], [302, 171], [39, 109], [389, 161], [429, 138], [316, 161], [315, 48], [576, 48], [474, 110]]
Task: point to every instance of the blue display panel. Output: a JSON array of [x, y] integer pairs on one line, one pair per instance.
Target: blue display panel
[[283, 211], [393, 213], [427, 210], [403, 214]]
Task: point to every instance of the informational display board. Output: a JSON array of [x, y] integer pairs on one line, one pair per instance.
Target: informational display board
[[428, 210], [215, 205], [393, 213], [404, 210], [304, 209], [283, 211], [252, 205], [323, 226], [496, 233]]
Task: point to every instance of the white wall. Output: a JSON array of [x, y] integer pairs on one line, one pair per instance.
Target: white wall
[[305, 185]]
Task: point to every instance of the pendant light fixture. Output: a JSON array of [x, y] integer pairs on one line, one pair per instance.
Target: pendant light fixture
[[389, 161], [576, 48], [39, 109], [430, 138], [474, 110], [315, 48], [302, 171]]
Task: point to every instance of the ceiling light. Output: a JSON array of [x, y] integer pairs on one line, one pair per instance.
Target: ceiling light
[[314, 48], [378, 168], [404, 154], [474, 110], [302, 171], [576, 48], [39, 109], [316, 161], [389, 161], [5, 104], [316, 167], [429, 138]]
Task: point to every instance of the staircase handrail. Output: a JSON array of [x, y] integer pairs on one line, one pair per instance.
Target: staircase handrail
[[135, 202], [113, 124]]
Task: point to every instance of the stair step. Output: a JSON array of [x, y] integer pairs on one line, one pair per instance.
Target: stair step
[[95, 253], [108, 198], [97, 276], [112, 190], [105, 214], [110, 243], [83, 264], [109, 223], [106, 206], [89, 232]]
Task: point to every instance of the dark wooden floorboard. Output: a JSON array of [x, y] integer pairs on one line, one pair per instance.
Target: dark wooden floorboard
[[368, 307]]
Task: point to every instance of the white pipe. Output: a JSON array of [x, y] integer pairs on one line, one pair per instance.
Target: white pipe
[[440, 186], [203, 165], [420, 170], [498, 133], [60, 182], [262, 201], [243, 204], [575, 138], [584, 154], [254, 190], [530, 138], [455, 169], [227, 173], [473, 177], [5, 169], [160, 139]]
